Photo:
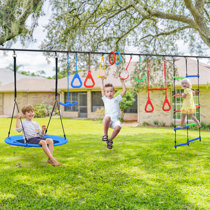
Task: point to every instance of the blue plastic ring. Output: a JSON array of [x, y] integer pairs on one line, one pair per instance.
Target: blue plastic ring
[[119, 58]]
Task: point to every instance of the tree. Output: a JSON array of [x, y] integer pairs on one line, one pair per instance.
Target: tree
[[149, 25], [13, 17], [126, 102]]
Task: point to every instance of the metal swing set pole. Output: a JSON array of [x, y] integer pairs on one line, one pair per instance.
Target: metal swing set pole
[[15, 97], [56, 98]]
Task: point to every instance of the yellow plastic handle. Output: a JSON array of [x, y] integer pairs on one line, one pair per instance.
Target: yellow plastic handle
[[102, 61]]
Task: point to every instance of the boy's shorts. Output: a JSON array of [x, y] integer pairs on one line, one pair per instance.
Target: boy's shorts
[[35, 140], [114, 122]]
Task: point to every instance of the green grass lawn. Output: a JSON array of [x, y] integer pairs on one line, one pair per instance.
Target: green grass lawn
[[142, 171]]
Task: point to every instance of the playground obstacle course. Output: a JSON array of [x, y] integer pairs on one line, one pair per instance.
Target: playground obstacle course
[[89, 76]]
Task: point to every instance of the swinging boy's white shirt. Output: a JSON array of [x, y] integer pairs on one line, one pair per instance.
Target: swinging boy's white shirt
[[112, 107]]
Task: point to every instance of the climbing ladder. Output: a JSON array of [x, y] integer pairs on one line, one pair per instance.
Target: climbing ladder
[[187, 126]]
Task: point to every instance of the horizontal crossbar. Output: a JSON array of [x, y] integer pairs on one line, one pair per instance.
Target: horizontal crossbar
[[150, 89], [88, 52], [179, 77], [177, 111], [178, 145], [191, 124], [175, 129], [179, 95], [194, 139], [186, 126], [180, 110], [193, 76]]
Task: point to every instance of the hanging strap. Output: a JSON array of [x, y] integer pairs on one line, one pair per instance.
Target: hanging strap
[[126, 70], [166, 101], [140, 70], [76, 76], [89, 76], [149, 102], [68, 98], [68, 103], [102, 61]]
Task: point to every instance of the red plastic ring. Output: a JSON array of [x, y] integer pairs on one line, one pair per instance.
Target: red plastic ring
[[112, 63]]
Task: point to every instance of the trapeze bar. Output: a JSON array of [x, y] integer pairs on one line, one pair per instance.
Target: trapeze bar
[[193, 76], [179, 77], [194, 139], [178, 145], [150, 89]]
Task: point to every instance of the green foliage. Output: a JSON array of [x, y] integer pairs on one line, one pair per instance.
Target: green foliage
[[145, 124], [156, 122], [163, 124], [113, 25], [40, 110], [126, 102], [13, 17], [43, 110], [142, 171]]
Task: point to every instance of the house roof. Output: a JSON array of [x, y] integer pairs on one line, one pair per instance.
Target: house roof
[[7, 76], [33, 84]]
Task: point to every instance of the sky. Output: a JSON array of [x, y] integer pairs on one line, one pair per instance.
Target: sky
[[34, 62]]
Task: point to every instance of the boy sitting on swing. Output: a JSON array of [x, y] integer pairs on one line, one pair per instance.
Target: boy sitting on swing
[[33, 133], [112, 111]]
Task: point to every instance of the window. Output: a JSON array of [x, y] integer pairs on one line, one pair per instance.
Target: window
[[133, 108], [96, 101], [178, 105]]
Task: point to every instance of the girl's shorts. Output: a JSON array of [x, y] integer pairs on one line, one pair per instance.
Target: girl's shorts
[[35, 140]]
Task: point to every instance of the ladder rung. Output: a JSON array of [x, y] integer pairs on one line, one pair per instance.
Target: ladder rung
[[192, 75], [180, 110], [194, 139], [175, 129], [157, 89], [177, 95], [178, 145], [179, 77]]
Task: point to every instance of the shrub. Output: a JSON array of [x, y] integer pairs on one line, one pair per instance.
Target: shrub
[[163, 124], [40, 110], [100, 113], [204, 125], [156, 123], [145, 123], [43, 110], [208, 126], [126, 102], [172, 125]]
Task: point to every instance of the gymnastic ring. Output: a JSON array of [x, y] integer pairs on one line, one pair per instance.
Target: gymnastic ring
[[110, 58], [119, 58]]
